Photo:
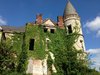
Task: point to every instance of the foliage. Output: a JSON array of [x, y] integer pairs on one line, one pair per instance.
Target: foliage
[[60, 44], [17, 42], [10, 52], [35, 32], [7, 59], [66, 60], [22, 58]]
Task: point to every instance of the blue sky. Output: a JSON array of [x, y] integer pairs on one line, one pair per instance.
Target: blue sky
[[19, 12]]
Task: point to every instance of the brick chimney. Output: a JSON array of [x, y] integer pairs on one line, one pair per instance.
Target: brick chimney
[[39, 19], [60, 22]]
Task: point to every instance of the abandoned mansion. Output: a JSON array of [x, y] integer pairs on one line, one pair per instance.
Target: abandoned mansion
[[40, 38]]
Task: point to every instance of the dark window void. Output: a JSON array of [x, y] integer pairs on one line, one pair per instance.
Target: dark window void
[[45, 29], [52, 30], [69, 29], [3, 36], [31, 44], [81, 41]]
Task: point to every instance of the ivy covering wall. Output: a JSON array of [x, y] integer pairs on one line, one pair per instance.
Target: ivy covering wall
[[35, 32], [60, 44], [56, 43]]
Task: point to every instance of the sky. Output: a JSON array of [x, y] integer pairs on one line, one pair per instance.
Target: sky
[[19, 12]]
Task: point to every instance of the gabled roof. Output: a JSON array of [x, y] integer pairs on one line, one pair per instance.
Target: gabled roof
[[69, 9], [12, 29], [49, 22]]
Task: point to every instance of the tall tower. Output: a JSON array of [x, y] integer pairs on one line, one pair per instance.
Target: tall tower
[[72, 21]]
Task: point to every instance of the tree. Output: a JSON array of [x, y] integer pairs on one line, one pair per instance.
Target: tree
[[66, 60], [66, 55], [7, 58]]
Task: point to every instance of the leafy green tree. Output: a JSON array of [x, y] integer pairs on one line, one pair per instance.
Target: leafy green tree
[[7, 59], [66, 55]]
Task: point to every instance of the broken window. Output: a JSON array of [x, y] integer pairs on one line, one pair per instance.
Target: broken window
[[45, 29], [52, 30], [69, 29], [31, 44]]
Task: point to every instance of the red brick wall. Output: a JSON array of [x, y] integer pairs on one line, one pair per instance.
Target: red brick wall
[[39, 19], [60, 21]]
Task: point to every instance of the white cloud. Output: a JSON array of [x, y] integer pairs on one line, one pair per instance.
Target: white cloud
[[96, 58], [98, 33], [2, 21], [94, 25], [94, 51]]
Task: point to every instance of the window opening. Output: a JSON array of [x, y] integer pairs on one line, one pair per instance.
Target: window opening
[[52, 30], [31, 44], [3, 36], [69, 29], [45, 29], [81, 41]]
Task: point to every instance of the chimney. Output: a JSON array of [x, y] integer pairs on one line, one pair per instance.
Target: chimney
[[39, 19], [60, 22]]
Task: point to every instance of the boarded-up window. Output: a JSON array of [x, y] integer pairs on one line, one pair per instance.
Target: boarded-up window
[[69, 29], [52, 30], [31, 44]]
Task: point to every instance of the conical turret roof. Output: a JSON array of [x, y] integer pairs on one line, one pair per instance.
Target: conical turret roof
[[69, 9]]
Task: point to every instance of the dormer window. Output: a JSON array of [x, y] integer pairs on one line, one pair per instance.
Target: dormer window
[[69, 29]]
